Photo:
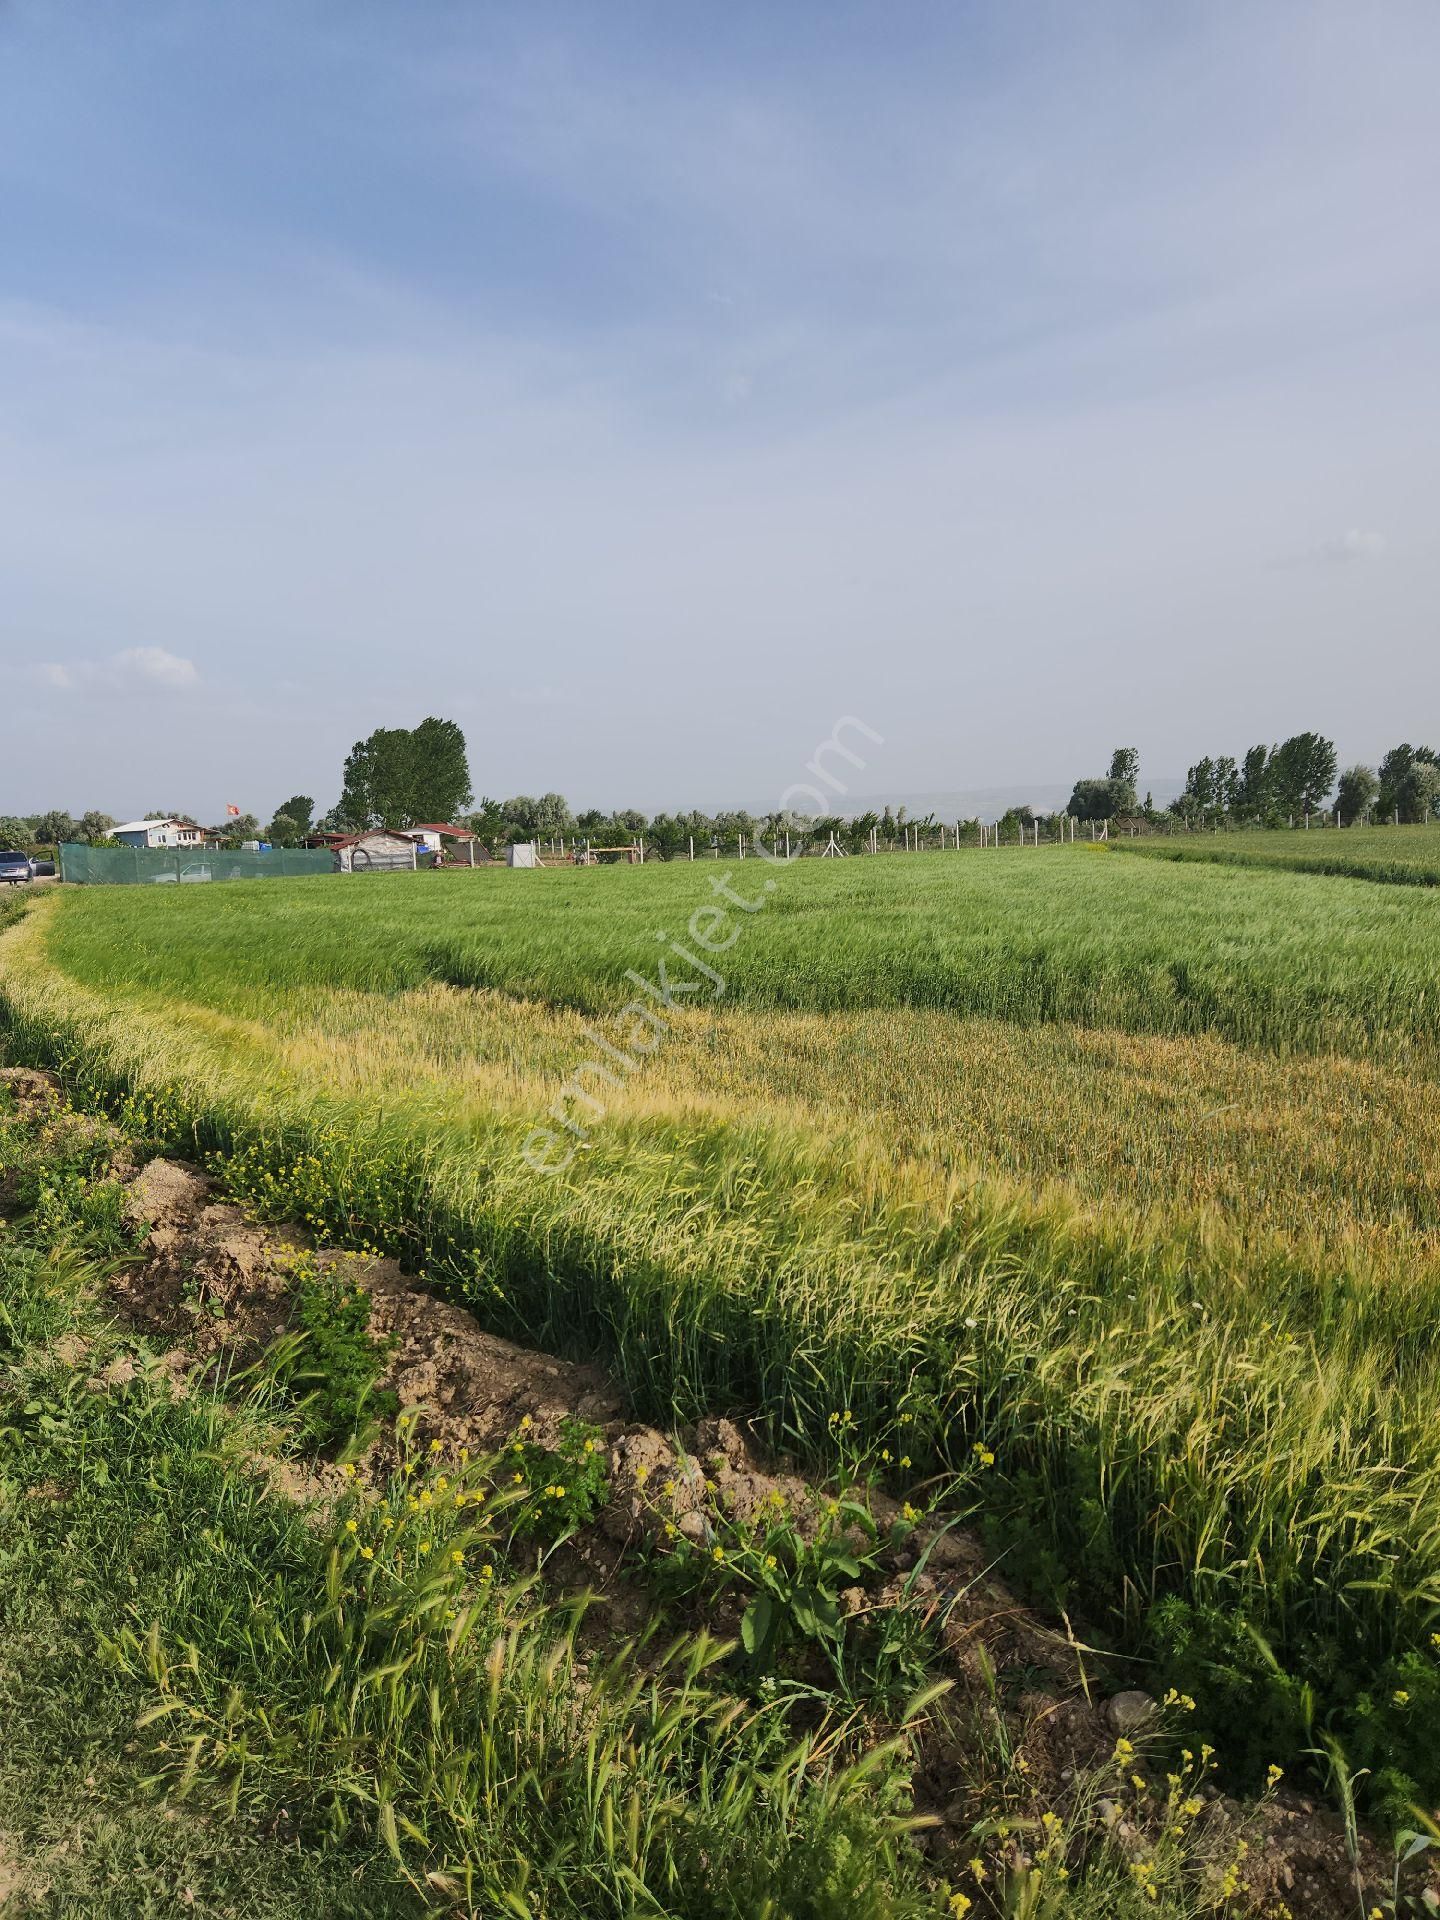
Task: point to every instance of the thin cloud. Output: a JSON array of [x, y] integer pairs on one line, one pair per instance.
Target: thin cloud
[[1355, 543], [133, 667], [160, 668], [1351, 547]]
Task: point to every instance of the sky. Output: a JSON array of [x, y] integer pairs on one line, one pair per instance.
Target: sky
[[650, 387]]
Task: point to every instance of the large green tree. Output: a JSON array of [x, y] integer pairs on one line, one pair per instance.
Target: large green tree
[[1125, 767], [300, 809], [553, 815], [1403, 783], [49, 829], [1301, 773], [399, 776], [1092, 800], [1252, 795], [1419, 795], [1355, 793]]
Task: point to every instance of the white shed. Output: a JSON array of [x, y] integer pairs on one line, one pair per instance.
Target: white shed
[[378, 851]]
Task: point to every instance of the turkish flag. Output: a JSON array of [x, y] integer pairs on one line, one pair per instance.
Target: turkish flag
[[232, 810]]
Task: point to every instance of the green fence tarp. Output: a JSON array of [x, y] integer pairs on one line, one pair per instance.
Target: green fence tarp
[[179, 866]]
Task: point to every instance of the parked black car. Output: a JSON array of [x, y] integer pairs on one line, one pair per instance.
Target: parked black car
[[15, 867]]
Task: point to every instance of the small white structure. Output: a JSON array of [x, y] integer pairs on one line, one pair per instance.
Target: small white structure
[[430, 833], [378, 851], [158, 833], [524, 853]]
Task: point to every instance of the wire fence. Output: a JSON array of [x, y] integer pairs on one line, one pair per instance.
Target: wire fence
[[85, 866]]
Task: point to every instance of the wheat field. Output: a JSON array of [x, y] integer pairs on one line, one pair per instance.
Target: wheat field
[[1122, 1170]]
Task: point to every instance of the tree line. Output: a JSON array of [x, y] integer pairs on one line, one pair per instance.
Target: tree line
[[1273, 786], [403, 777], [1298, 779]]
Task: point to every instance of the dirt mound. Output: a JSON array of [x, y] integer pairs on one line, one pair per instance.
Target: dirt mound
[[211, 1277], [474, 1387], [165, 1195], [33, 1092]]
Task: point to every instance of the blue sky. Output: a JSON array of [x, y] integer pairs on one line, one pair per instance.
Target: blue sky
[[647, 386]]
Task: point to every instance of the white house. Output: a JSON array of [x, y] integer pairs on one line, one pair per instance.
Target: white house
[[158, 833]]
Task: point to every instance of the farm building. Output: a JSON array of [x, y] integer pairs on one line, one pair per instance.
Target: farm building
[[378, 851], [436, 844], [158, 833], [433, 835]]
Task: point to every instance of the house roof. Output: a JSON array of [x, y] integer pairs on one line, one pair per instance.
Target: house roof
[[441, 826], [150, 826]]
